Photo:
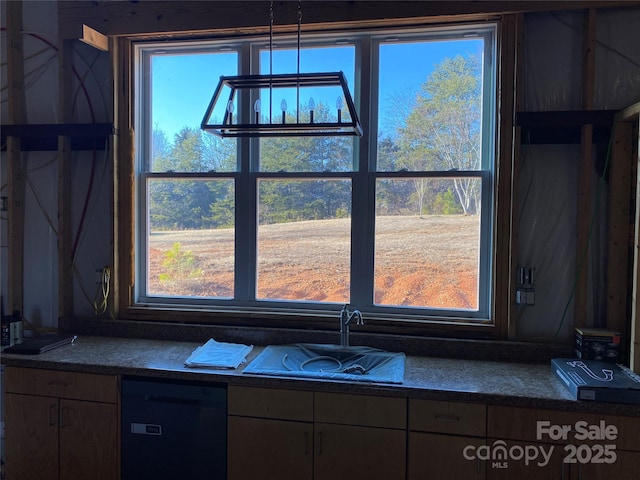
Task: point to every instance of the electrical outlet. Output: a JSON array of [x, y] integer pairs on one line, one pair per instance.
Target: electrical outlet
[[525, 297], [525, 276], [4, 207]]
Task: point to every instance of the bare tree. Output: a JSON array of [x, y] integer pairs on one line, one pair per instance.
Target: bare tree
[[443, 130]]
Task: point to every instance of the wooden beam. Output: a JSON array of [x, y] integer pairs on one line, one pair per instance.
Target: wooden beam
[[16, 189], [504, 291], [619, 229], [65, 234], [44, 137], [124, 178], [242, 17], [586, 173], [564, 127], [629, 114], [515, 219], [94, 38], [635, 300], [574, 119]]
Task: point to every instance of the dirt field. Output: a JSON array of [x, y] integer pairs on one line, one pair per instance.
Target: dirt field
[[429, 261]]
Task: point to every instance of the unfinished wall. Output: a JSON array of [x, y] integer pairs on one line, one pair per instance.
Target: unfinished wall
[[549, 173], [91, 173]]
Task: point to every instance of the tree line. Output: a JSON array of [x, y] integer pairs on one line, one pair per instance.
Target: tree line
[[440, 131]]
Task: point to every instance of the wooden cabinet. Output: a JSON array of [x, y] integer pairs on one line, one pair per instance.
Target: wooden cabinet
[[444, 440], [269, 433], [626, 466], [32, 437], [266, 448], [61, 425], [507, 462], [576, 441], [298, 435], [359, 436]]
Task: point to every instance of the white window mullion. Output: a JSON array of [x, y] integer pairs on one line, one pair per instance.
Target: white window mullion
[[363, 206], [246, 201]]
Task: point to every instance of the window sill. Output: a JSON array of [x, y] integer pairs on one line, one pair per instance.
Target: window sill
[[432, 346]]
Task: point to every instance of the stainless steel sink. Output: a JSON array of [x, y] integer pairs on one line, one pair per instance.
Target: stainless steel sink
[[326, 361]]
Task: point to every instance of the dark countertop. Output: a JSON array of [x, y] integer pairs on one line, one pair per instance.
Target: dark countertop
[[481, 381]]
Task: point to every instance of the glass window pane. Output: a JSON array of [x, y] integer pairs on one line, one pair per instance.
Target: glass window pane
[[427, 249], [181, 88], [304, 240], [307, 154], [190, 244], [429, 105]]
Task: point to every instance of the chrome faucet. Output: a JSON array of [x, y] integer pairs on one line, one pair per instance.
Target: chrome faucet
[[345, 319]]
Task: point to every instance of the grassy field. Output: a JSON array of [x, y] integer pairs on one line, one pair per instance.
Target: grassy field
[[430, 261]]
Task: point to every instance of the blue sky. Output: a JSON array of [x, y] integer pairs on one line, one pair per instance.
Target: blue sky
[[182, 85]]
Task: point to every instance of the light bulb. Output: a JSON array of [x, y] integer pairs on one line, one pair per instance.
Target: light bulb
[[230, 111], [339, 107], [312, 105], [256, 108], [283, 107]]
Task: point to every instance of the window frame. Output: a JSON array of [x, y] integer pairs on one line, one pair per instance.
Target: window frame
[[282, 314]]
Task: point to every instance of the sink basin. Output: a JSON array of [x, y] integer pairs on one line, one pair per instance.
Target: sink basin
[[360, 364]]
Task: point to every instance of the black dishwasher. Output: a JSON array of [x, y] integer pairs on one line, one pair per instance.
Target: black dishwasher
[[173, 430]]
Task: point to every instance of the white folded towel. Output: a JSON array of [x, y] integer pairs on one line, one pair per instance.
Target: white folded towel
[[218, 355]]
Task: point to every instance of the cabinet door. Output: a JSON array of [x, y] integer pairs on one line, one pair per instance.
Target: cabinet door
[[625, 467], [269, 449], [345, 452], [88, 441], [32, 437], [512, 464], [441, 457]]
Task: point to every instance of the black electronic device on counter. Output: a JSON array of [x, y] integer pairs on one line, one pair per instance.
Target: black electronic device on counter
[[598, 381], [41, 344]]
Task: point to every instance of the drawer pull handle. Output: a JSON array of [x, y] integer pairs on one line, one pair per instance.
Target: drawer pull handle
[[58, 383], [52, 415], [62, 416], [447, 418], [320, 443], [306, 443]]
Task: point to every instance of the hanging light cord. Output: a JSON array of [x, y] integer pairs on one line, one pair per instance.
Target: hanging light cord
[[298, 83], [270, 61]]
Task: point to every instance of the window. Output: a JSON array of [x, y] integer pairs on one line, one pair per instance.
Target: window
[[397, 223]]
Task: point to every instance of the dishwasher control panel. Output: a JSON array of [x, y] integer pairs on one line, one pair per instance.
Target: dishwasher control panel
[[146, 429]]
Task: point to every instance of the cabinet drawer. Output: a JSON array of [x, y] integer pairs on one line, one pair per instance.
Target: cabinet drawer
[[522, 424], [364, 410], [60, 384], [448, 417], [270, 403]]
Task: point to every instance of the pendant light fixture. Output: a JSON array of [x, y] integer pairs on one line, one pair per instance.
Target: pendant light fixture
[[236, 91]]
